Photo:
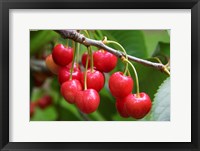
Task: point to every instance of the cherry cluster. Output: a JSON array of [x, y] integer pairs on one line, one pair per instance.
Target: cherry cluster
[[42, 103], [81, 88]]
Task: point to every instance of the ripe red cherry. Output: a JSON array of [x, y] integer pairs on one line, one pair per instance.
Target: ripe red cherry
[[137, 107], [44, 102], [64, 74], [76, 66], [84, 59], [120, 105], [69, 89], [95, 80], [120, 85], [104, 61], [61, 55], [51, 65], [87, 101]]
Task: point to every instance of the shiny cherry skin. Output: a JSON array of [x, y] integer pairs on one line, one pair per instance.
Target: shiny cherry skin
[[137, 107], [69, 89], [64, 74], [104, 61], [62, 56], [120, 105], [84, 59], [87, 101], [120, 85], [95, 80], [76, 66], [51, 65], [44, 102]]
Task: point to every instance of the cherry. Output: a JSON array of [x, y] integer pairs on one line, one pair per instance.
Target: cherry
[[120, 105], [137, 107], [69, 89], [87, 101], [76, 66], [104, 61], [39, 78], [51, 65], [84, 59], [120, 85], [44, 101], [95, 80], [61, 55], [64, 74], [32, 108]]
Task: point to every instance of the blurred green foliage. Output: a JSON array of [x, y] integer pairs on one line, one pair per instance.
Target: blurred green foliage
[[144, 44]]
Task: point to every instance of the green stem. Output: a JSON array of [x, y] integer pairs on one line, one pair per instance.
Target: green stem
[[85, 74], [67, 42], [87, 33], [90, 52], [91, 59], [157, 59], [72, 67], [136, 77], [167, 71], [114, 42], [77, 55]]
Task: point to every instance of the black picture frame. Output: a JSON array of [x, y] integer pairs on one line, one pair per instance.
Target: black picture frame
[[5, 5]]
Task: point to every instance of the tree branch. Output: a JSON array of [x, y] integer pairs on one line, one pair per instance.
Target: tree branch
[[80, 38]]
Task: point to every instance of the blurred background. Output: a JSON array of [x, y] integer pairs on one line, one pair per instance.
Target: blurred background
[[46, 102]]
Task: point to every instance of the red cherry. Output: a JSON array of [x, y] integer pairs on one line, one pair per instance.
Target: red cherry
[[84, 59], [44, 102], [104, 61], [39, 78], [51, 65], [87, 101], [137, 107], [32, 108], [120, 85], [76, 66], [64, 74], [69, 89], [95, 80], [61, 55], [120, 105]]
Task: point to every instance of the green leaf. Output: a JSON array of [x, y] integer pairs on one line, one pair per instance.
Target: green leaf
[[68, 112], [132, 41], [96, 116], [47, 114], [153, 37], [107, 104], [39, 38], [161, 105], [162, 49], [117, 117]]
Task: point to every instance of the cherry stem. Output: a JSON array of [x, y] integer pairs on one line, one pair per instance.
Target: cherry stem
[[72, 67], [67, 42], [90, 53], [91, 59], [85, 74], [136, 77], [77, 53], [114, 42], [166, 69]]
